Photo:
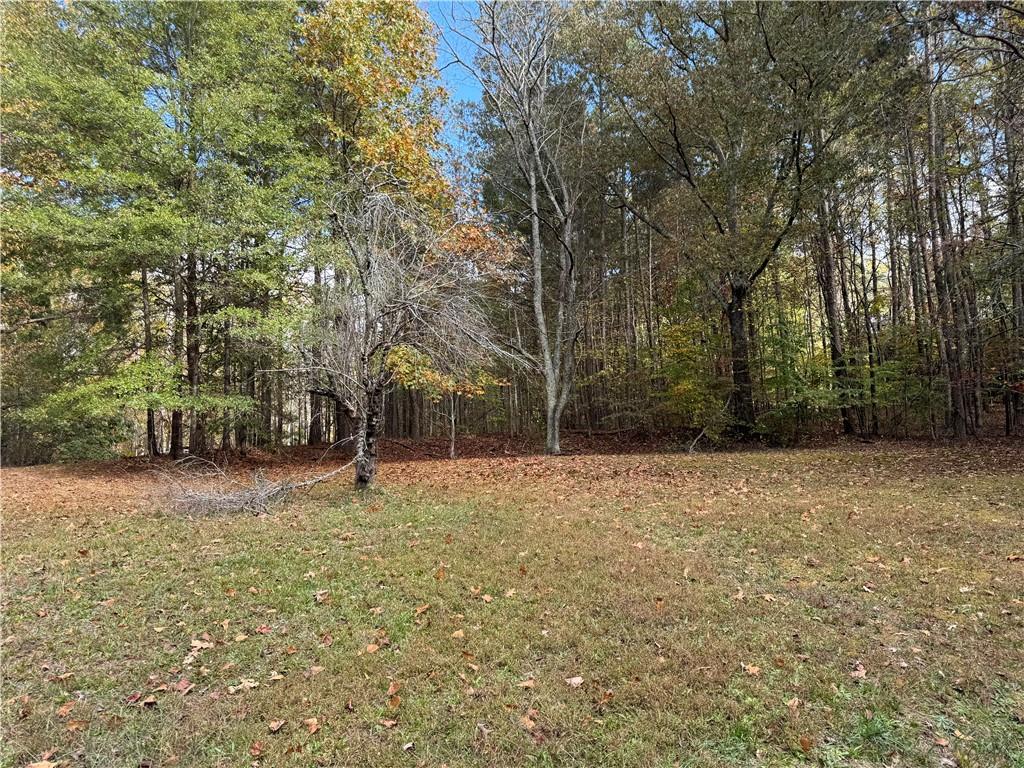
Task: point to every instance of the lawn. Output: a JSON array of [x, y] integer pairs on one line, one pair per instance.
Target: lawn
[[850, 606]]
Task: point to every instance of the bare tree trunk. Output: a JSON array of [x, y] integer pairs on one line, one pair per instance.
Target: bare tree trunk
[[826, 274], [944, 277], [177, 345], [366, 442], [1014, 388], [743, 388], [197, 419], [452, 403], [152, 445], [225, 437]]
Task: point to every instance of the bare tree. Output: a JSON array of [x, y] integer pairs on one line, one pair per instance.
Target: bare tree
[[531, 96], [401, 280]]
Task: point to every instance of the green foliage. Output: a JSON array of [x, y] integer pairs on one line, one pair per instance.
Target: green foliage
[[415, 370], [89, 419], [696, 397]]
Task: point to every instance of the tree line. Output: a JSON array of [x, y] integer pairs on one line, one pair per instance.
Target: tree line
[[231, 226]]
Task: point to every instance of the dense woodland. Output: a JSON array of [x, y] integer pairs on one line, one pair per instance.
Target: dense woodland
[[237, 225]]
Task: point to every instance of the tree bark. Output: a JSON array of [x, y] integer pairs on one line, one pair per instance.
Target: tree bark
[[743, 389], [366, 442], [177, 345], [152, 444], [826, 273], [197, 419]]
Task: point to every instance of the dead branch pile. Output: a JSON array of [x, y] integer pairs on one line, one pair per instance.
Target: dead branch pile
[[203, 488]]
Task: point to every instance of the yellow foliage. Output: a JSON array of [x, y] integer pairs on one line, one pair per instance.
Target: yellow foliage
[[414, 370], [372, 67]]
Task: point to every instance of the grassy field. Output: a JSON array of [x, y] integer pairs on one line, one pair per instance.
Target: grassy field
[[835, 607]]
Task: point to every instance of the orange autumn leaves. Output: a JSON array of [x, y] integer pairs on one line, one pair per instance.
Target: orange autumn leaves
[[372, 68]]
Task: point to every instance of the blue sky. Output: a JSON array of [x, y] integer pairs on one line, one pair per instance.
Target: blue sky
[[454, 21]]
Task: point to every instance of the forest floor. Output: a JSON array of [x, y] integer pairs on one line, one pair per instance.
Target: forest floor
[[860, 605]]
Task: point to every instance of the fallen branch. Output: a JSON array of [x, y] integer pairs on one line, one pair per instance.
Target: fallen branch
[[219, 493]]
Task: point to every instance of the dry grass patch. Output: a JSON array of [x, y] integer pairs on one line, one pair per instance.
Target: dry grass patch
[[830, 607]]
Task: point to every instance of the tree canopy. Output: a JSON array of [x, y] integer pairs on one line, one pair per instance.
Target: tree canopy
[[715, 221]]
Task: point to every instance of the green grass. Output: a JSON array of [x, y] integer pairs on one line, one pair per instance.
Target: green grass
[[715, 607]]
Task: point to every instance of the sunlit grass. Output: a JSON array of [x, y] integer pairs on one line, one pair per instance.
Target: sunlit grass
[[716, 607]]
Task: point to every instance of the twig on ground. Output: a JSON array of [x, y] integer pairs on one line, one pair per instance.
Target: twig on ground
[[222, 494]]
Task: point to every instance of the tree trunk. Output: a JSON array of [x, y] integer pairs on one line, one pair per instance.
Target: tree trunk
[[452, 402], [826, 274], [152, 444], [225, 434], [366, 441], [552, 445], [177, 345], [197, 419], [743, 388]]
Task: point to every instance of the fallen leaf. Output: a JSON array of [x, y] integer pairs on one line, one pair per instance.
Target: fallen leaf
[[528, 683], [859, 672], [256, 749], [394, 701], [276, 725], [458, 634], [389, 723], [372, 648], [77, 725], [321, 596], [65, 709], [394, 688], [422, 609], [574, 682], [312, 724], [245, 684], [806, 744], [793, 704], [441, 574], [751, 669]]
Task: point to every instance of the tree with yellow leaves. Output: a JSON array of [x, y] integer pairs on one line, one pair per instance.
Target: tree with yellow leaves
[[370, 70]]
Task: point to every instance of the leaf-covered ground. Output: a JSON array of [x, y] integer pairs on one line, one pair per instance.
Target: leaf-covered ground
[[833, 607]]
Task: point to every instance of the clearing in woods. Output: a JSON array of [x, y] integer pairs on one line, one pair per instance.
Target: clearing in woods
[[851, 606]]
